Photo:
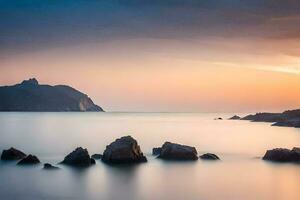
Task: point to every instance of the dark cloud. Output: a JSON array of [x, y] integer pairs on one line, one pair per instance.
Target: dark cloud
[[45, 23]]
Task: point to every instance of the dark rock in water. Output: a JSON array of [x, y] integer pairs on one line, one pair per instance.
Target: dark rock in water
[[78, 157], [93, 161], [264, 117], [219, 118], [29, 160], [156, 151], [123, 150], [31, 96], [49, 166], [235, 117], [288, 123], [97, 156], [12, 154], [283, 155], [172, 151], [209, 156]]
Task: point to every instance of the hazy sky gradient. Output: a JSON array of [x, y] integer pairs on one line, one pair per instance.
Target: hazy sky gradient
[[158, 55]]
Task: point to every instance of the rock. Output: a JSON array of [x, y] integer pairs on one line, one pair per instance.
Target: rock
[[97, 156], [288, 123], [29, 160], [264, 117], [283, 155], [172, 151], [12, 154], [235, 117], [156, 151], [93, 161], [219, 118], [78, 157], [123, 150], [32, 96], [209, 156], [49, 166]]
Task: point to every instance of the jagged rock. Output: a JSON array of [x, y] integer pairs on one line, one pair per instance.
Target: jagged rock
[[12, 154], [29, 160], [93, 161], [78, 157], [235, 117], [156, 151], [32, 96], [123, 150], [209, 156], [172, 151], [283, 155], [49, 166], [97, 156]]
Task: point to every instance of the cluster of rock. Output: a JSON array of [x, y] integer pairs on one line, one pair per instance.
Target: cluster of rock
[[290, 118], [126, 150], [173, 151]]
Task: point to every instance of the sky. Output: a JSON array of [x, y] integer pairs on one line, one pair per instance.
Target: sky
[[158, 55]]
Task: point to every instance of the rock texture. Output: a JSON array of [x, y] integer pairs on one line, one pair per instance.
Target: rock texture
[[283, 155], [78, 157], [97, 156], [156, 151], [209, 156], [123, 150], [12, 154], [29, 160], [235, 117], [31, 96], [173, 151], [49, 166]]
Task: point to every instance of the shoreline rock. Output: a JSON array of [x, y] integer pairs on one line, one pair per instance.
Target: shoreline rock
[[173, 151], [29, 160], [12, 154], [97, 156], [209, 156], [283, 155], [124, 150], [48, 166], [156, 151], [78, 157], [235, 117]]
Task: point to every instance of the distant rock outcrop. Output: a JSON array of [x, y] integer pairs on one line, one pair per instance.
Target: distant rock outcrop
[[97, 156], [235, 117], [29, 160], [283, 155], [31, 96], [12, 154], [209, 156], [173, 151], [78, 157], [50, 167], [290, 118], [123, 150]]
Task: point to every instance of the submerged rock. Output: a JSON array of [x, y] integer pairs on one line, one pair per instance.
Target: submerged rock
[[12, 154], [219, 118], [235, 117], [49, 166], [78, 157], [97, 156], [173, 151], [29, 160], [209, 156], [123, 150], [156, 151], [283, 155]]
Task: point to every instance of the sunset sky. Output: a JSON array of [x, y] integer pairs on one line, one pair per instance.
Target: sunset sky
[[158, 55]]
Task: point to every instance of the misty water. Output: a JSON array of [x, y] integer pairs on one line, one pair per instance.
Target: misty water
[[241, 174]]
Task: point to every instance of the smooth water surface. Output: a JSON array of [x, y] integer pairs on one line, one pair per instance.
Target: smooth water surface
[[241, 175]]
